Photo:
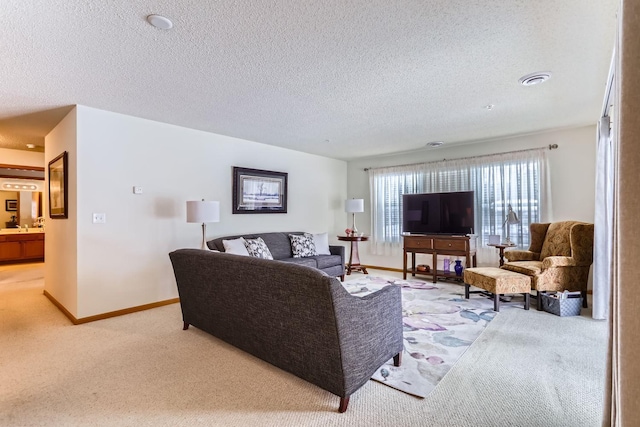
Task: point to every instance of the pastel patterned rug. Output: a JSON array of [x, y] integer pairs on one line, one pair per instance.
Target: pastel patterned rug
[[439, 326]]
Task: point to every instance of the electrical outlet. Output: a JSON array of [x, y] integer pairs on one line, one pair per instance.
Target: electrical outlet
[[99, 218]]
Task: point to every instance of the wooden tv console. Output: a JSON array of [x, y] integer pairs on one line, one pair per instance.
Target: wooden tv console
[[439, 244]]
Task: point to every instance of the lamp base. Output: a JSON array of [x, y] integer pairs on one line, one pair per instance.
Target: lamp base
[[204, 240]]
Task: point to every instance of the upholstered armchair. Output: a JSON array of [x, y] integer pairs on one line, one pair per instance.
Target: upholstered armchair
[[558, 258]]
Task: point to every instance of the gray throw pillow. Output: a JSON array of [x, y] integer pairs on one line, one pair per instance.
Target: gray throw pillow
[[258, 248], [302, 245]]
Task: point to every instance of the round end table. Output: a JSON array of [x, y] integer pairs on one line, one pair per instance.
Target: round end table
[[354, 257]]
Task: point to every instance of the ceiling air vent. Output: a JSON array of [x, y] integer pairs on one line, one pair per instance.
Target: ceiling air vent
[[534, 78]]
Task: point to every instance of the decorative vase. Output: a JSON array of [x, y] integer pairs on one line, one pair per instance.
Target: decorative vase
[[458, 268]]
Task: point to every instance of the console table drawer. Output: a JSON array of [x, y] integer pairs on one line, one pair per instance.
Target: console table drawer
[[450, 245], [418, 243]]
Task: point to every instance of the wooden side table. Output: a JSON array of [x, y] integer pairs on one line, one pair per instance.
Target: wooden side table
[[501, 246], [354, 257]]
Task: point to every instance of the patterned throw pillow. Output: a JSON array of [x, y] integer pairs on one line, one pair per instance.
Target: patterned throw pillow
[[258, 248], [302, 245]]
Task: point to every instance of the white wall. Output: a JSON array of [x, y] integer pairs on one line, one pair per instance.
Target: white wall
[[60, 242], [124, 263], [571, 173]]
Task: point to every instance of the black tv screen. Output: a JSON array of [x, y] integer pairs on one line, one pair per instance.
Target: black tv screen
[[438, 213]]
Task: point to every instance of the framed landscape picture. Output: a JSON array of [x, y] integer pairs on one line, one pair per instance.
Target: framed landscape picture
[[58, 187], [259, 191]]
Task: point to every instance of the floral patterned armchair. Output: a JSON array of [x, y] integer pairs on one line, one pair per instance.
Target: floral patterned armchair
[[558, 258]]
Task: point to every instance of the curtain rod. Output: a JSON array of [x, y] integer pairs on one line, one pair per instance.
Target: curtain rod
[[550, 147]]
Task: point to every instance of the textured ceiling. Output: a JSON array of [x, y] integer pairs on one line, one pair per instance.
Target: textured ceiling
[[343, 79]]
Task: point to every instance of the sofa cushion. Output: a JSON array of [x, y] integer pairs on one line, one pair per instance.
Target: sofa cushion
[[556, 241], [302, 245], [278, 244], [307, 262], [321, 240], [326, 261], [235, 246], [258, 248]]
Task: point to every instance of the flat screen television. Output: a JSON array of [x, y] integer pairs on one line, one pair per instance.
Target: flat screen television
[[438, 213]]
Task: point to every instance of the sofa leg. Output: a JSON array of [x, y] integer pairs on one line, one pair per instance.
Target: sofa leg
[[185, 327], [539, 300], [397, 359], [585, 303], [344, 402]]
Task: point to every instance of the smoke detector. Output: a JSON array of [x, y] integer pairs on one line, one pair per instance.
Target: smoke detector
[[434, 144], [160, 22], [535, 78]]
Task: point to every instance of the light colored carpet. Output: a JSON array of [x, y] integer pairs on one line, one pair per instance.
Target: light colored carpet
[[528, 368]]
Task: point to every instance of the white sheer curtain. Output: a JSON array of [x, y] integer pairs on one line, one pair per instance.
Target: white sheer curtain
[[604, 215], [518, 178]]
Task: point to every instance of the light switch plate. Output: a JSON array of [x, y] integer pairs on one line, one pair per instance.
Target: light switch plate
[[137, 190], [99, 218]]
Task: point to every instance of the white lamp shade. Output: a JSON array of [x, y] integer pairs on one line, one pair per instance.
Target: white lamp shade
[[203, 211], [354, 205]]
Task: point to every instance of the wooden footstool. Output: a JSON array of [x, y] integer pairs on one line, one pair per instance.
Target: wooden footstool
[[497, 282]]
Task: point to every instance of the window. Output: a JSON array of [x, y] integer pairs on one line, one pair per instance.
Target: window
[[516, 179]]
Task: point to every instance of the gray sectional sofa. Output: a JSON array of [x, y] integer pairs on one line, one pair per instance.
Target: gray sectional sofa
[[280, 247], [296, 318]]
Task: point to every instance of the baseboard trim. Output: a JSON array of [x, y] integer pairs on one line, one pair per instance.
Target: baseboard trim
[[376, 267], [110, 314]]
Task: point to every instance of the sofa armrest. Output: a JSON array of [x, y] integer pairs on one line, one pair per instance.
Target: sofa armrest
[[559, 261], [521, 256], [337, 250], [370, 332]]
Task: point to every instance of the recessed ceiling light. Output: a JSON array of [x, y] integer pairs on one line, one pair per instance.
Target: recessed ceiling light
[[160, 22], [489, 106], [31, 146], [434, 144], [535, 78]]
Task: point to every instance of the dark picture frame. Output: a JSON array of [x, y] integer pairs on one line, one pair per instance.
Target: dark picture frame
[[11, 205], [259, 191], [59, 187]]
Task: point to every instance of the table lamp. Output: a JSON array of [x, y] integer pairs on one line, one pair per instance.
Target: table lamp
[[203, 211], [353, 206], [512, 218]]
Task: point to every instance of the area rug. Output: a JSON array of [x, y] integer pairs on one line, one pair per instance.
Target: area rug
[[439, 326]]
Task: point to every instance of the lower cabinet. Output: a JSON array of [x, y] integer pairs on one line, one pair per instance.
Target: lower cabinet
[[19, 247]]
